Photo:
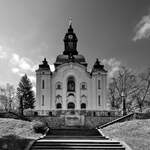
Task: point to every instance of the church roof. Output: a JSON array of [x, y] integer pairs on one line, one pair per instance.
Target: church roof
[[98, 66], [61, 59], [44, 65]]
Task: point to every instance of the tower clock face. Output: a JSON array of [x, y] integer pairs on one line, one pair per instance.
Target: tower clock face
[[70, 36]]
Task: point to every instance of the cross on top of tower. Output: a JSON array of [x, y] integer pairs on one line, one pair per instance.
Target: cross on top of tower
[[70, 21]]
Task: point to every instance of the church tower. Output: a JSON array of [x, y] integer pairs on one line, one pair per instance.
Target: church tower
[[43, 87], [99, 83], [70, 42]]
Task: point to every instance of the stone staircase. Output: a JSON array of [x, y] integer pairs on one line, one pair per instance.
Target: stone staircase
[[75, 139]]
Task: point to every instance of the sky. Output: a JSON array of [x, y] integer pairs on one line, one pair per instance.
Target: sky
[[115, 31]]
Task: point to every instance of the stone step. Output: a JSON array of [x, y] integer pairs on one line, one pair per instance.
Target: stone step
[[107, 142], [109, 145], [81, 148], [44, 145], [87, 132], [75, 137]]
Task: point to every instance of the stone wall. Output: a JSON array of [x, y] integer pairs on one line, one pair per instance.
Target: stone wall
[[52, 122], [93, 122], [59, 122]]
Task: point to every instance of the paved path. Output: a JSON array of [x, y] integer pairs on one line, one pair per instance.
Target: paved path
[[75, 139]]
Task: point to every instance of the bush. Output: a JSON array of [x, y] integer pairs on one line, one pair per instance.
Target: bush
[[40, 127], [147, 111], [29, 112]]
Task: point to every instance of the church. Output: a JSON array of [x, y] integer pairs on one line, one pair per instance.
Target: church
[[71, 86]]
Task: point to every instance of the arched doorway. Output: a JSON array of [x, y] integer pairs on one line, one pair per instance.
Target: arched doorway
[[71, 105], [58, 106]]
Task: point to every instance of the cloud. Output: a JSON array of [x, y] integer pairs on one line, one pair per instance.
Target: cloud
[[34, 89], [112, 65], [22, 63], [142, 29], [15, 70], [3, 53], [32, 78]]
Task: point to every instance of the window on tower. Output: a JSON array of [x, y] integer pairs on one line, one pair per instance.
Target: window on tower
[[43, 84], [99, 84], [70, 45], [99, 100], [42, 100]]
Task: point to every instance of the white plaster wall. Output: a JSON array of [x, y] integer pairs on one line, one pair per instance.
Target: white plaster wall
[[102, 91], [43, 75], [80, 74]]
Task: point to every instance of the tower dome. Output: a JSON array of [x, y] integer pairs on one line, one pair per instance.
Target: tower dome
[[70, 53]]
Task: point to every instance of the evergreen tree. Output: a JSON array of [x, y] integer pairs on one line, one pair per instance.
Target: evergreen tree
[[25, 93]]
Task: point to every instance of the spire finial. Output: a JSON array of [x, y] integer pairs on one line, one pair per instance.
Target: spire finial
[[70, 21]]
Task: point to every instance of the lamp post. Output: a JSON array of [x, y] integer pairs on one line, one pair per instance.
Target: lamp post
[[21, 104], [123, 103]]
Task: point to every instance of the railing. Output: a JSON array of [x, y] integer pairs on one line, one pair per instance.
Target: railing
[[121, 119]]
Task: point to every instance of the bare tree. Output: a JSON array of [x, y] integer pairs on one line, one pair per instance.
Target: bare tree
[[142, 96], [125, 81], [7, 97], [11, 96]]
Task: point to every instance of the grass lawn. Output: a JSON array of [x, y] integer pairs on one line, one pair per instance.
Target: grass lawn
[[16, 134], [135, 133]]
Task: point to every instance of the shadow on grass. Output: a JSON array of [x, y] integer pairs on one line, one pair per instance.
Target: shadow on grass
[[13, 142]]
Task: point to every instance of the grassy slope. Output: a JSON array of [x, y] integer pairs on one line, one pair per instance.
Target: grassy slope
[[16, 134], [135, 133]]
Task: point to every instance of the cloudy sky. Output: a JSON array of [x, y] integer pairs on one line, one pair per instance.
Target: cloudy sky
[[115, 31]]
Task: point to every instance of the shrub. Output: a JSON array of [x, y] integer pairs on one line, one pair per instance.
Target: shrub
[[29, 112], [40, 127], [147, 111]]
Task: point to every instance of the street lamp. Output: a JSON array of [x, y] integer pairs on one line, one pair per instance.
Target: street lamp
[[123, 103], [21, 104]]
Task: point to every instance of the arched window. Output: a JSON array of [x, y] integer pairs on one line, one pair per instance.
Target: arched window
[[58, 106], [83, 106], [71, 105], [83, 86], [71, 94], [58, 85], [71, 84]]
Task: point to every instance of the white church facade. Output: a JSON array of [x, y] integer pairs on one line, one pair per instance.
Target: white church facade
[[71, 86]]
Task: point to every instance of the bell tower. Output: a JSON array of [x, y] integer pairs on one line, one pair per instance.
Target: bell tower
[[70, 42]]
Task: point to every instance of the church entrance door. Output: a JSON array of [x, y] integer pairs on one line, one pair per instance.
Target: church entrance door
[[71, 105]]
